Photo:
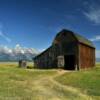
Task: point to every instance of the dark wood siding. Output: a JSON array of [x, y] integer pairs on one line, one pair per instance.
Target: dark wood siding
[[67, 45], [64, 44], [86, 56], [48, 59]]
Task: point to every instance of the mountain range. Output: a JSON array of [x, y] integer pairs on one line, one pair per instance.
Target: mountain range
[[17, 53]]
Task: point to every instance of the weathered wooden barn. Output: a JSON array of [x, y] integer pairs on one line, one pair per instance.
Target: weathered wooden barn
[[69, 51]]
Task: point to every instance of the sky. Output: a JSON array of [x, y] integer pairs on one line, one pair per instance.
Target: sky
[[34, 23]]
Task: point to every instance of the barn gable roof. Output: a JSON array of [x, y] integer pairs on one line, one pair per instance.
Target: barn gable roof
[[83, 40], [79, 38]]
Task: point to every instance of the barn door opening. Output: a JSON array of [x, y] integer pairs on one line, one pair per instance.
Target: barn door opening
[[69, 62]]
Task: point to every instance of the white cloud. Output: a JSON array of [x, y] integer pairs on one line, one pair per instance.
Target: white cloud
[[96, 38], [5, 37], [93, 14], [5, 49]]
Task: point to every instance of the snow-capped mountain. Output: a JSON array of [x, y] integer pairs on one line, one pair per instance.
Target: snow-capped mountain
[[17, 53]]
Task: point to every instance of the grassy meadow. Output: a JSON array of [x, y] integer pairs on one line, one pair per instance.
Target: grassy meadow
[[34, 84]]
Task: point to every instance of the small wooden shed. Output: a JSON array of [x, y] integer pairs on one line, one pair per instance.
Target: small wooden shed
[[22, 63], [69, 51]]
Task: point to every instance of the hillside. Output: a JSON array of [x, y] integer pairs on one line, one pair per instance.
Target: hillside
[[34, 84]]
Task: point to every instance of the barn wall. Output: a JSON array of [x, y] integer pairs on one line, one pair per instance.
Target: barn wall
[[64, 44], [48, 59], [86, 56], [68, 45]]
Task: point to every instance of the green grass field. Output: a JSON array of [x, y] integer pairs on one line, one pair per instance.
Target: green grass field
[[34, 84]]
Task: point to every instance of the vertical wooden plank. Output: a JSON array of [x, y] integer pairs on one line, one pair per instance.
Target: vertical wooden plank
[[87, 56]]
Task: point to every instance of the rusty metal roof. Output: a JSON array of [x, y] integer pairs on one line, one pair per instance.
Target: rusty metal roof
[[83, 40]]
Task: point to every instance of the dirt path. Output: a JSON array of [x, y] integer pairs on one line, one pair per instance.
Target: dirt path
[[49, 89], [69, 88]]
